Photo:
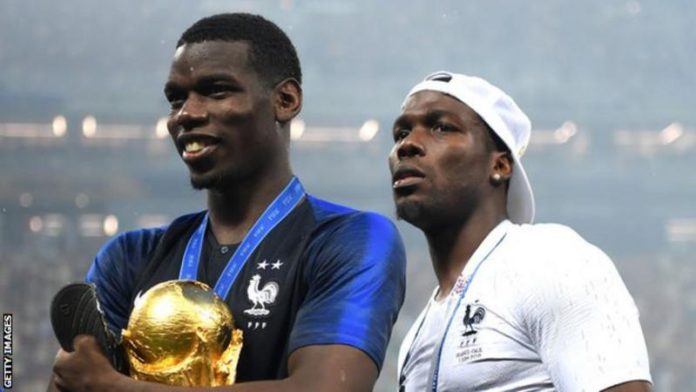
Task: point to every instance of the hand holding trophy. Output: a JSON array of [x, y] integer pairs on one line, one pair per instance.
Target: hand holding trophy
[[179, 333]]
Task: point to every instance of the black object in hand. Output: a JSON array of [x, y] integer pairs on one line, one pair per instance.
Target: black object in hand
[[75, 311]]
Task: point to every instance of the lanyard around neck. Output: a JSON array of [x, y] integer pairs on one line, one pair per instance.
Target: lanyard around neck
[[464, 283], [275, 213]]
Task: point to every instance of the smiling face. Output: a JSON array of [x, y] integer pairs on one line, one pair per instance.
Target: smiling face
[[441, 161], [223, 116]]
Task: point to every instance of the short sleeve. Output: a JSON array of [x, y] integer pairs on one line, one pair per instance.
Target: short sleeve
[[356, 276], [114, 270], [583, 320]]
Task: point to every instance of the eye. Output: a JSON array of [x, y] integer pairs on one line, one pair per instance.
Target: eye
[[218, 90], [442, 127], [401, 134], [176, 100]]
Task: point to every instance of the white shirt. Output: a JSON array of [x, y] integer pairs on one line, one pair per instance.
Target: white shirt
[[545, 311], [417, 367]]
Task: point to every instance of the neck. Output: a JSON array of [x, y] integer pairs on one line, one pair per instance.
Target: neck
[[451, 246], [235, 209]]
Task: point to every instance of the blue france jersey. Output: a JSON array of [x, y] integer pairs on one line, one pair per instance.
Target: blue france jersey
[[339, 273]]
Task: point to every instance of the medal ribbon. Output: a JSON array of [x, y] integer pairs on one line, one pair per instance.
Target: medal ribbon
[[275, 213], [464, 284]]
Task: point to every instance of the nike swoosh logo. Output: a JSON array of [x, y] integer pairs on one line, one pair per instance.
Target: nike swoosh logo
[[138, 298]]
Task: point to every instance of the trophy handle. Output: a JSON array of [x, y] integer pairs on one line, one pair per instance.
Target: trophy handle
[[75, 311]]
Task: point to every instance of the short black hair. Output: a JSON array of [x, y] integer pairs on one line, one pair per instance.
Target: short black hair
[[271, 53], [493, 141], [496, 143]]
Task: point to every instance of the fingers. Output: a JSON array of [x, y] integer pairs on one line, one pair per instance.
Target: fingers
[[82, 342], [58, 384], [61, 357], [64, 359], [60, 354], [81, 370]]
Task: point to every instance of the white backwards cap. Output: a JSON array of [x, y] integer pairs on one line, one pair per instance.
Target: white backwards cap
[[504, 117]]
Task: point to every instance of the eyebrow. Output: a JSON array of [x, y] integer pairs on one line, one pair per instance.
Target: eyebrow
[[436, 114], [212, 78], [202, 81], [428, 117], [400, 121]]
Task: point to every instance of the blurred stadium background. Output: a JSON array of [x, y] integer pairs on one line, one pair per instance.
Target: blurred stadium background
[[609, 85]]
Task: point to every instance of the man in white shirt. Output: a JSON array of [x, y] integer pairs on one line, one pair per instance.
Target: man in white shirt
[[519, 306]]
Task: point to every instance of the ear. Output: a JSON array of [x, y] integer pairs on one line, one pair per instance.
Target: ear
[[287, 100], [502, 167]]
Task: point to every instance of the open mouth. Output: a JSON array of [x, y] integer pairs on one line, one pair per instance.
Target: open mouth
[[406, 177], [196, 147], [196, 150]]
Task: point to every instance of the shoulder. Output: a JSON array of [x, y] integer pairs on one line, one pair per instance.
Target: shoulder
[[131, 245], [566, 290], [129, 250], [133, 241], [355, 269], [551, 245], [551, 235], [561, 267], [346, 239], [124, 254], [558, 266], [331, 217], [340, 228], [118, 263], [114, 268]]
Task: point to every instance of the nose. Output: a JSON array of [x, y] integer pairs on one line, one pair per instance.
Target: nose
[[192, 114], [410, 146]]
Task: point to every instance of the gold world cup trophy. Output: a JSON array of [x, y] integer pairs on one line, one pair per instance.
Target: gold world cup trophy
[[181, 333]]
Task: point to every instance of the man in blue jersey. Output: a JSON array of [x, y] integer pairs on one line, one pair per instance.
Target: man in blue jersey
[[234, 87]]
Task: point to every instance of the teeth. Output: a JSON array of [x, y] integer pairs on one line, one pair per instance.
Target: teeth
[[193, 147]]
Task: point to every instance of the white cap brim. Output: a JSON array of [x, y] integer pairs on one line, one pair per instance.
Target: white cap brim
[[520, 198]]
